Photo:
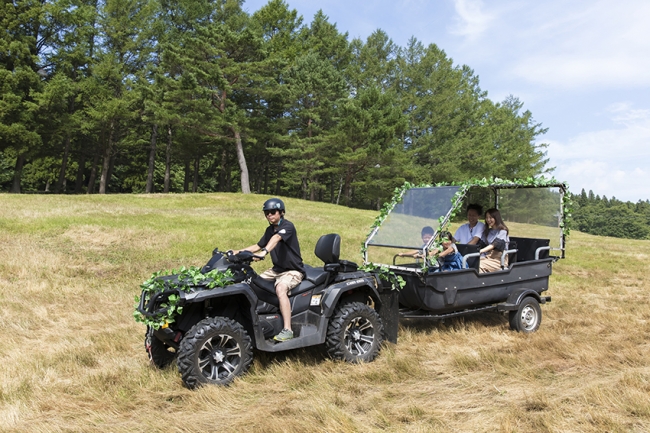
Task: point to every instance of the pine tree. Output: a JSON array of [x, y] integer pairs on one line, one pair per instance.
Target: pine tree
[[24, 33]]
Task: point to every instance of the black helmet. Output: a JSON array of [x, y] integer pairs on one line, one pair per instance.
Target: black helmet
[[273, 203]]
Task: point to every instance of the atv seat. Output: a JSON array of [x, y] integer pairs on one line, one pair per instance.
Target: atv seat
[[315, 275], [269, 286], [265, 290]]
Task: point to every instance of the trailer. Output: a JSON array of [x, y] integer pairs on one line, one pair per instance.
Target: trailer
[[535, 213]]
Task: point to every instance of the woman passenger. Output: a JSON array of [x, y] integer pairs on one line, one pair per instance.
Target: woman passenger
[[495, 241]]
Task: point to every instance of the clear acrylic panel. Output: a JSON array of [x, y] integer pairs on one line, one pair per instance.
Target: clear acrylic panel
[[420, 207], [532, 213]]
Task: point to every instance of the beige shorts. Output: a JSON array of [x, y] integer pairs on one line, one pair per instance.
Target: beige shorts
[[290, 279]]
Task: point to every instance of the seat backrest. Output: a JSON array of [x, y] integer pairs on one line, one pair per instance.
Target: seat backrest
[[463, 249], [527, 246], [328, 248]]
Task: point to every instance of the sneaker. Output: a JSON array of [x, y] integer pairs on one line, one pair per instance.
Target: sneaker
[[284, 335]]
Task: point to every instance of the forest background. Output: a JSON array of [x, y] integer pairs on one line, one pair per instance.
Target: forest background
[[129, 96]]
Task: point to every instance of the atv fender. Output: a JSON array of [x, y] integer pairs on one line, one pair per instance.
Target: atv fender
[[334, 293], [238, 289], [331, 297], [218, 292]]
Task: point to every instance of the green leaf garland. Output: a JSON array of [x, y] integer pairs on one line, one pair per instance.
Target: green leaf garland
[[186, 280], [384, 273]]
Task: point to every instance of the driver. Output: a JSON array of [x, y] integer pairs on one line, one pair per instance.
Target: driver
[[281, 241]]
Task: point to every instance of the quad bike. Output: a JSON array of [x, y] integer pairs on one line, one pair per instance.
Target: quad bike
[[213, 337]]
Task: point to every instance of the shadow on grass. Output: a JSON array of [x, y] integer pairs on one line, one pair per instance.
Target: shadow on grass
[[316, 355], [481, 319]]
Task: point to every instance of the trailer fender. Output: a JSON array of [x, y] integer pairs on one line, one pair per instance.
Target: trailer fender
[[518, 296]]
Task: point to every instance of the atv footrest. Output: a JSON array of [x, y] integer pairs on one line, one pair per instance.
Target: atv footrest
[[303, 340]]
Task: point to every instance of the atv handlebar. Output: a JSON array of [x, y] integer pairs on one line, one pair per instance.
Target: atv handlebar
[[242, 256]]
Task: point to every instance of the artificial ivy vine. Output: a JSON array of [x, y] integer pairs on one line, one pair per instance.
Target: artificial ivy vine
[[542, 182], [185, 279], [444, 221], [384, 273], [386, 209]]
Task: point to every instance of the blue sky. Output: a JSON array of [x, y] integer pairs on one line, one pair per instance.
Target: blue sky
[[581, 67]]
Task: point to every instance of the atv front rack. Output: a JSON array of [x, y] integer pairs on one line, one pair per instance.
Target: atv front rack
[[148, 310]]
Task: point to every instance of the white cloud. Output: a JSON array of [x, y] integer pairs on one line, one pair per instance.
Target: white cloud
[[555, 44], [628, 116], [471, 21], [576, 71], [611, 162], [582, 45], [605, 180]]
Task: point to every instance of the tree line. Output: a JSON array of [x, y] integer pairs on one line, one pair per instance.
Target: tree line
[[102, 96], [611, 217]]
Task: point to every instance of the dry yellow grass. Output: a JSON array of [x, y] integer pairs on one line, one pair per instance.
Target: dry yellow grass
[[72, 358]]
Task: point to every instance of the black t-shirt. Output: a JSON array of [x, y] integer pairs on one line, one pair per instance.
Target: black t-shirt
[[286, 254]]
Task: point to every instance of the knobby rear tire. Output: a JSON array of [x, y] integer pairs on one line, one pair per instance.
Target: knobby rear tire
[[355, 333]]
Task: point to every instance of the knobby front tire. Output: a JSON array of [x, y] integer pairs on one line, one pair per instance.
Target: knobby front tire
[[214, 351]]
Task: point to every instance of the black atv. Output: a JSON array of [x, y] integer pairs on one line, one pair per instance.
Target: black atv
[[214, 335]]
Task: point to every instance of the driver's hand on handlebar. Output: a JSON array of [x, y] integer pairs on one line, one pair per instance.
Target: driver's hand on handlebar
[[260, 255]]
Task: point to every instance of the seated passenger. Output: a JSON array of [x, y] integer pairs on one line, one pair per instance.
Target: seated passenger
[[427, 234], [451, 258], [494, 242], [471, 232]]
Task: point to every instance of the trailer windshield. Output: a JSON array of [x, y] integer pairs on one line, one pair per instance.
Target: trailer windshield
[[419, 208]]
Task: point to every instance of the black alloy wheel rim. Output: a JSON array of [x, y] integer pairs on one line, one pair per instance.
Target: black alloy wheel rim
[[219, 357], [359, 336]]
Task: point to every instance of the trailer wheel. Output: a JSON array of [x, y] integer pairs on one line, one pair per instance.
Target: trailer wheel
[[527, 317]]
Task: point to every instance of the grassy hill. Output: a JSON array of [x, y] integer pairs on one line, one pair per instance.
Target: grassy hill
[[73, 357]]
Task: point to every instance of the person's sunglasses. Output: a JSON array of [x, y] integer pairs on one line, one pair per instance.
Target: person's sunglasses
[[270, 212]]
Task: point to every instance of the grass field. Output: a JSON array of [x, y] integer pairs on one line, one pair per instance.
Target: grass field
[[72, 358]]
